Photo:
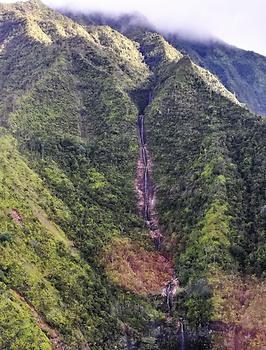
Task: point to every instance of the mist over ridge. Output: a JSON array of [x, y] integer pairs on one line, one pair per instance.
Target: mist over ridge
[[236, 22]]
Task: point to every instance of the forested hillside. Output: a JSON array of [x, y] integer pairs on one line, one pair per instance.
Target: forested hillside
[[242, 72], [81, 267], [210, 169]]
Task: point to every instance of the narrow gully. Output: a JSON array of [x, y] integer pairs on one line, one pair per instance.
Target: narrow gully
[[144, 157], [146, 203], [146, 188]]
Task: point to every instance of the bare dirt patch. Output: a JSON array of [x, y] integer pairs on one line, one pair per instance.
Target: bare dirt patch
[[137, 269]]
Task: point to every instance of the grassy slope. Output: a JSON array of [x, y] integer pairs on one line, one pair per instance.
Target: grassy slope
[[75, 123], [42, 264], [36, 255]]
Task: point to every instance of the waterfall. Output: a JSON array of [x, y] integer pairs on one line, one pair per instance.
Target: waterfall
[[147, 195], [182, 336], [169, 292], [146, 170]]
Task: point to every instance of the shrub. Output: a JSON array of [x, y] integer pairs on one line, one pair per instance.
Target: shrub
[[5, 237]]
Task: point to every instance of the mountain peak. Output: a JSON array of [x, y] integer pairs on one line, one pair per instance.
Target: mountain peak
[[24, 7]]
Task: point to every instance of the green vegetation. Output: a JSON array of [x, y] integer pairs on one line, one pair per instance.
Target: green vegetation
[[66, 102], [76, 263], [18, 328], [203, 149], [242, 72]]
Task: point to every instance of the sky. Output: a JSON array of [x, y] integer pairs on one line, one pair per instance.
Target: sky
[[238, 22]]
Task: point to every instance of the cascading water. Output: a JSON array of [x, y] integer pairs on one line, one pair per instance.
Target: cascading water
[[145, 164], [169, 292], [147, 190], [147, 196], [182, 345]]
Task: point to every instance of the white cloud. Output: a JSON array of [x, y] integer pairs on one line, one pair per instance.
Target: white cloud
[[238, 22]]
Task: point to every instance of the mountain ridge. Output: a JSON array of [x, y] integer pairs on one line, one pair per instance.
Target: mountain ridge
[[72, 238], [234, 66]]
